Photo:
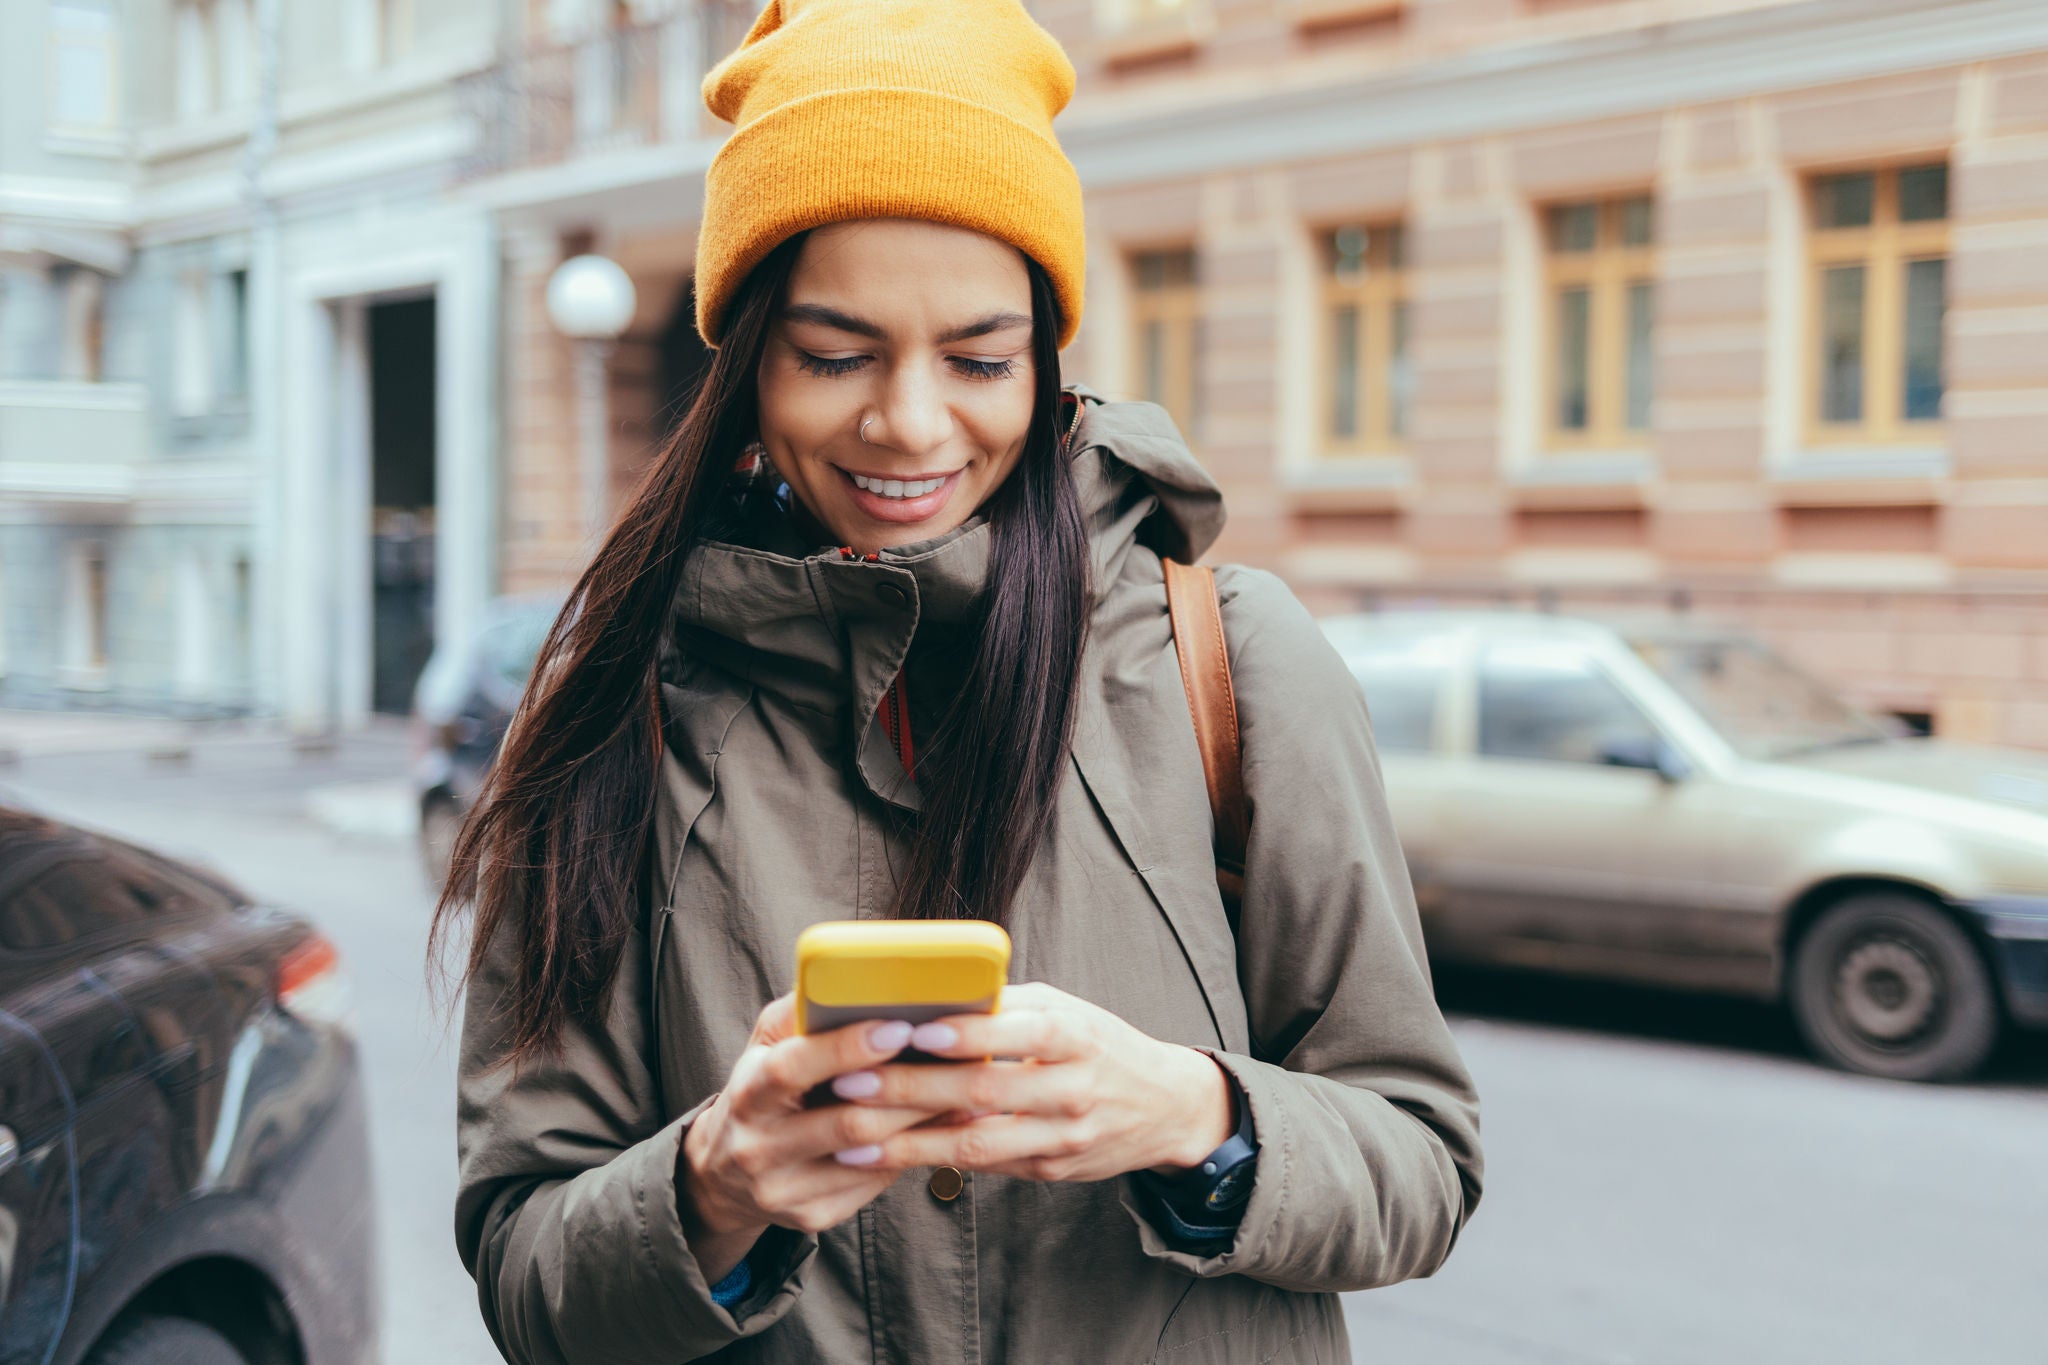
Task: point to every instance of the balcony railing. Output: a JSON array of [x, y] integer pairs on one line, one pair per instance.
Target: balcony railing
[[629, 86], [68, 440]]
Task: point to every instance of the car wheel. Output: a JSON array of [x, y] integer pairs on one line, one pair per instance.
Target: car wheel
[[165, 1341], [439, 821], [1887, 985]]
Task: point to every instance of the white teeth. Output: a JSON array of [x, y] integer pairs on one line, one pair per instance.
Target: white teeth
[[898, 488]]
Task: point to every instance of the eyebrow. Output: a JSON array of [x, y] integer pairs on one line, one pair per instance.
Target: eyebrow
[[998, 321]]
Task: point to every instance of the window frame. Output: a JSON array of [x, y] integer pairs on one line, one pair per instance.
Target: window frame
[[194, 386], [1606, 271], [1116, 16], [1380, 294], [104, 43], [1177, 309], [1884, 248], [1443, 658], [232, 26], [397, 30], [86, 634], [195, 64], [1595, 667]]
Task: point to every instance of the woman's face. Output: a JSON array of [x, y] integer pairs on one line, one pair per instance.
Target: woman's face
[[922, 331]]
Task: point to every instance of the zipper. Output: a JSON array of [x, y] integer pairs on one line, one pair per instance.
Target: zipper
[[1067, 441], [894, 714], [894, 711]]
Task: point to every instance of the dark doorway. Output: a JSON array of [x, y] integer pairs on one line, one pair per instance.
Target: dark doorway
[[685, 360], [401, 499]]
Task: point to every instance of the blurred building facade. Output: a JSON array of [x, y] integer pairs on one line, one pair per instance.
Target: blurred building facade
[[1735, 306], [247, 352], [1732, 306]]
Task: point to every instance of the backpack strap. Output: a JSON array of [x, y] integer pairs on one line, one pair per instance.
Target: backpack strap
[[1197, 620]]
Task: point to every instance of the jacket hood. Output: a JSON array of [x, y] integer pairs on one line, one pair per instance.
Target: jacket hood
[[1138, 481]]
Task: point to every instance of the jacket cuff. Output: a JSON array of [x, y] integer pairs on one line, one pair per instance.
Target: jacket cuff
[[775, 1261], [1261, 1213], [1180, 1234]]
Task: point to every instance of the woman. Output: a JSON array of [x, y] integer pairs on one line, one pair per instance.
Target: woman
[[884, 634]]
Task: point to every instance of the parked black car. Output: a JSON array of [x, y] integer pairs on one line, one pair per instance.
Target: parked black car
[[184, 1158], [460, 708]]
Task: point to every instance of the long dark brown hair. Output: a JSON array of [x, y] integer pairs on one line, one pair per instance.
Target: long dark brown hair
[[554, 846]]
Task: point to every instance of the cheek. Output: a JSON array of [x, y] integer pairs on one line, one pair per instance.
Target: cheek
[[793, 423], [1004, 427]]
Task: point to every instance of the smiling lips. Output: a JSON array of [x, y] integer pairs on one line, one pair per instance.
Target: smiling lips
[[898, 488], [901, 500]]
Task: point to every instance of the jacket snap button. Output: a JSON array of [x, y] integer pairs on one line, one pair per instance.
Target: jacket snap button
[[893, 594], [946, 1184]]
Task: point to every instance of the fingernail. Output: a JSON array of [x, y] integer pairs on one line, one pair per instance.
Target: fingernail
[[889, 1037], [931, 1037], [859, 1156], [857, 1085]]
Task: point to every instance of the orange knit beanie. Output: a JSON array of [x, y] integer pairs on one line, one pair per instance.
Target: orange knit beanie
[[933, 109]]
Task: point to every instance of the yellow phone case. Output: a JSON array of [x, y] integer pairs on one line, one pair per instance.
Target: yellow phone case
[[850, 970]]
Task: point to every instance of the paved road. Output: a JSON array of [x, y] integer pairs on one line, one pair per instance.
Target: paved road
[[1668, 1181]]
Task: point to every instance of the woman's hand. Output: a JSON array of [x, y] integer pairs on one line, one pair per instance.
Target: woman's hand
[[1078, 1095], [757, 1155]]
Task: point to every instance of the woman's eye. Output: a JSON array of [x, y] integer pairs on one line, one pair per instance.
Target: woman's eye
[[985, 369], [828, 365]]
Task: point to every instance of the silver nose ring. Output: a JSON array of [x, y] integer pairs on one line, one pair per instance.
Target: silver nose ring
[[864, 427]]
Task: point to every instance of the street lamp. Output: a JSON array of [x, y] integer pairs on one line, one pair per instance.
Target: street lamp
[[590, 301]]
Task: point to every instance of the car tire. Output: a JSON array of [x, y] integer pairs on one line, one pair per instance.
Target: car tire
[[440, 819], [1887, 985], [154, 1340]]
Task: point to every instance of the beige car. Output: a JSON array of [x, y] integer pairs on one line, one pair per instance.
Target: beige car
[[1672, 802]]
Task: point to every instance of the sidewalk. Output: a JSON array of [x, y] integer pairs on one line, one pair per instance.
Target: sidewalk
[[41, 734], [355, 783]]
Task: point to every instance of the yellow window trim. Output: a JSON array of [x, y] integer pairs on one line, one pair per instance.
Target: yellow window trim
[[1174, 308], [1606, 272], [1883, 249], [1377, 294]]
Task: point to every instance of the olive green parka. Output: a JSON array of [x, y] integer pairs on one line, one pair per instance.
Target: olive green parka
[[781, 803]]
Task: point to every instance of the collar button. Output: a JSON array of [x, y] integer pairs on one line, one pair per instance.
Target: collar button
[[893, 594]]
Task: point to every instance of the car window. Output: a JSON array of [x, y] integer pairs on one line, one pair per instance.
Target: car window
[[443, 684], [1760, 702], [1545, 701], [61, 884], [510, 647], [1404, 682]]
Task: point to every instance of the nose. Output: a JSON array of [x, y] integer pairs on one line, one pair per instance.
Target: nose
[[913, 418]]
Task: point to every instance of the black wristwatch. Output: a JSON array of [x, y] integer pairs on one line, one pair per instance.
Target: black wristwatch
[[1205, 1201]]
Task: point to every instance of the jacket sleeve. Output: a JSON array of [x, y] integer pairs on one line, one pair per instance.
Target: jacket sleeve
[[1365, 1117], [566, 1210]]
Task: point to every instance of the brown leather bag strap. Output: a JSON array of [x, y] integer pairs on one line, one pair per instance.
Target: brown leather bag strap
[[1197, 620]]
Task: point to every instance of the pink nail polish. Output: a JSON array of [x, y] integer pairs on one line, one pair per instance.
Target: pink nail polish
[[932, 1037], [859, 1156], [857, 1085], [889, 1037]]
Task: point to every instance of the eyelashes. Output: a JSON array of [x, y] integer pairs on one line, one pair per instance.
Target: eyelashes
[[985, 369], [968, 367], [817, 364]]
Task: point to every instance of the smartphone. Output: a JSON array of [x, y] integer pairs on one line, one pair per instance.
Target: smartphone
[[912, 969]]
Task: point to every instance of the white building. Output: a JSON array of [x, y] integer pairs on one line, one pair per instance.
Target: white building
[[247, 352]]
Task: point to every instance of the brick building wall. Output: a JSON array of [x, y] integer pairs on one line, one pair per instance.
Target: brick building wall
[[1913, 573]]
